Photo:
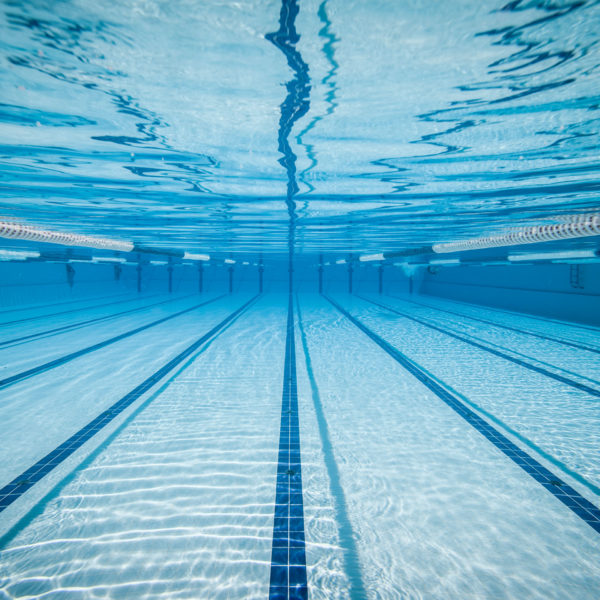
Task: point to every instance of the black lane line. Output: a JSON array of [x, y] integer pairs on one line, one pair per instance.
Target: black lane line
[[288, 557], [514, 313], [35, 307], [572, 499], [73, 355], [570, 382], [72, 310], [20, 484], [88, 321], [496, 324], [345, 531], [518, 289]]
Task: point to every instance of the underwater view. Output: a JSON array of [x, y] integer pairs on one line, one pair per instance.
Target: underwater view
[[300, 299]]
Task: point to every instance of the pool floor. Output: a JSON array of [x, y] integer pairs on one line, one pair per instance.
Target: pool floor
[[275, 446]]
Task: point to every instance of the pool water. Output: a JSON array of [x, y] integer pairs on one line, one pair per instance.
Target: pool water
[[402, 496], [270, 322]]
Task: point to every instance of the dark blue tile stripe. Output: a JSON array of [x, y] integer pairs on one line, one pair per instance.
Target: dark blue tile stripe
[[346, 536], [73, 355], [18, 486], [72, 310], [541, 336], [566, 380], [88, 322], [288, 558], [515, 288], [514, 313], [557, 487], [62, 303]]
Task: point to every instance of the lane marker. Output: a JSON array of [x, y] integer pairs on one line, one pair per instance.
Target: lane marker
[[518, 289], [73, 355], [62, 303], [570, 497], [288, 556], [88, 321], [20, 484], [558, 463], [514, 313], [570, 382], [495, 324], [73, 310]]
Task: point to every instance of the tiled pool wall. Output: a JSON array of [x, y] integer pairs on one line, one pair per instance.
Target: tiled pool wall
[[557, 290], [560, 291]]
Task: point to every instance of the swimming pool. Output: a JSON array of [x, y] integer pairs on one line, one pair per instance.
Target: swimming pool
[[299, 300], [411, 488]]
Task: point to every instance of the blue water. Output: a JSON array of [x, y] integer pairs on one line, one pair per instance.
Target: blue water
[[454, 474], [282, 420], [214, 126]]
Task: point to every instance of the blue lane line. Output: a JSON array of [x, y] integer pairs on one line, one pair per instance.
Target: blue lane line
[[518, 289], [18, 486], [87, 322], [572, 499], [514, 313], [495, 324], [575, 384], [288, 557], [72, 310], [345, 531], [40, 506], [69, 357], [64, 303]]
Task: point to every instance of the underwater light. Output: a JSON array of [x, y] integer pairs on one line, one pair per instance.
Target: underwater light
[[410, 265], [17, 255], [573, 254], [158, 263], [25, 232], [111, 259], [341, 261], [369, 257], [191, 256], [445, 261], [229, 261]]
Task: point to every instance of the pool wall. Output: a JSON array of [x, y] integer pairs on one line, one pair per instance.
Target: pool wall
[[560, 291], [557, 290]]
